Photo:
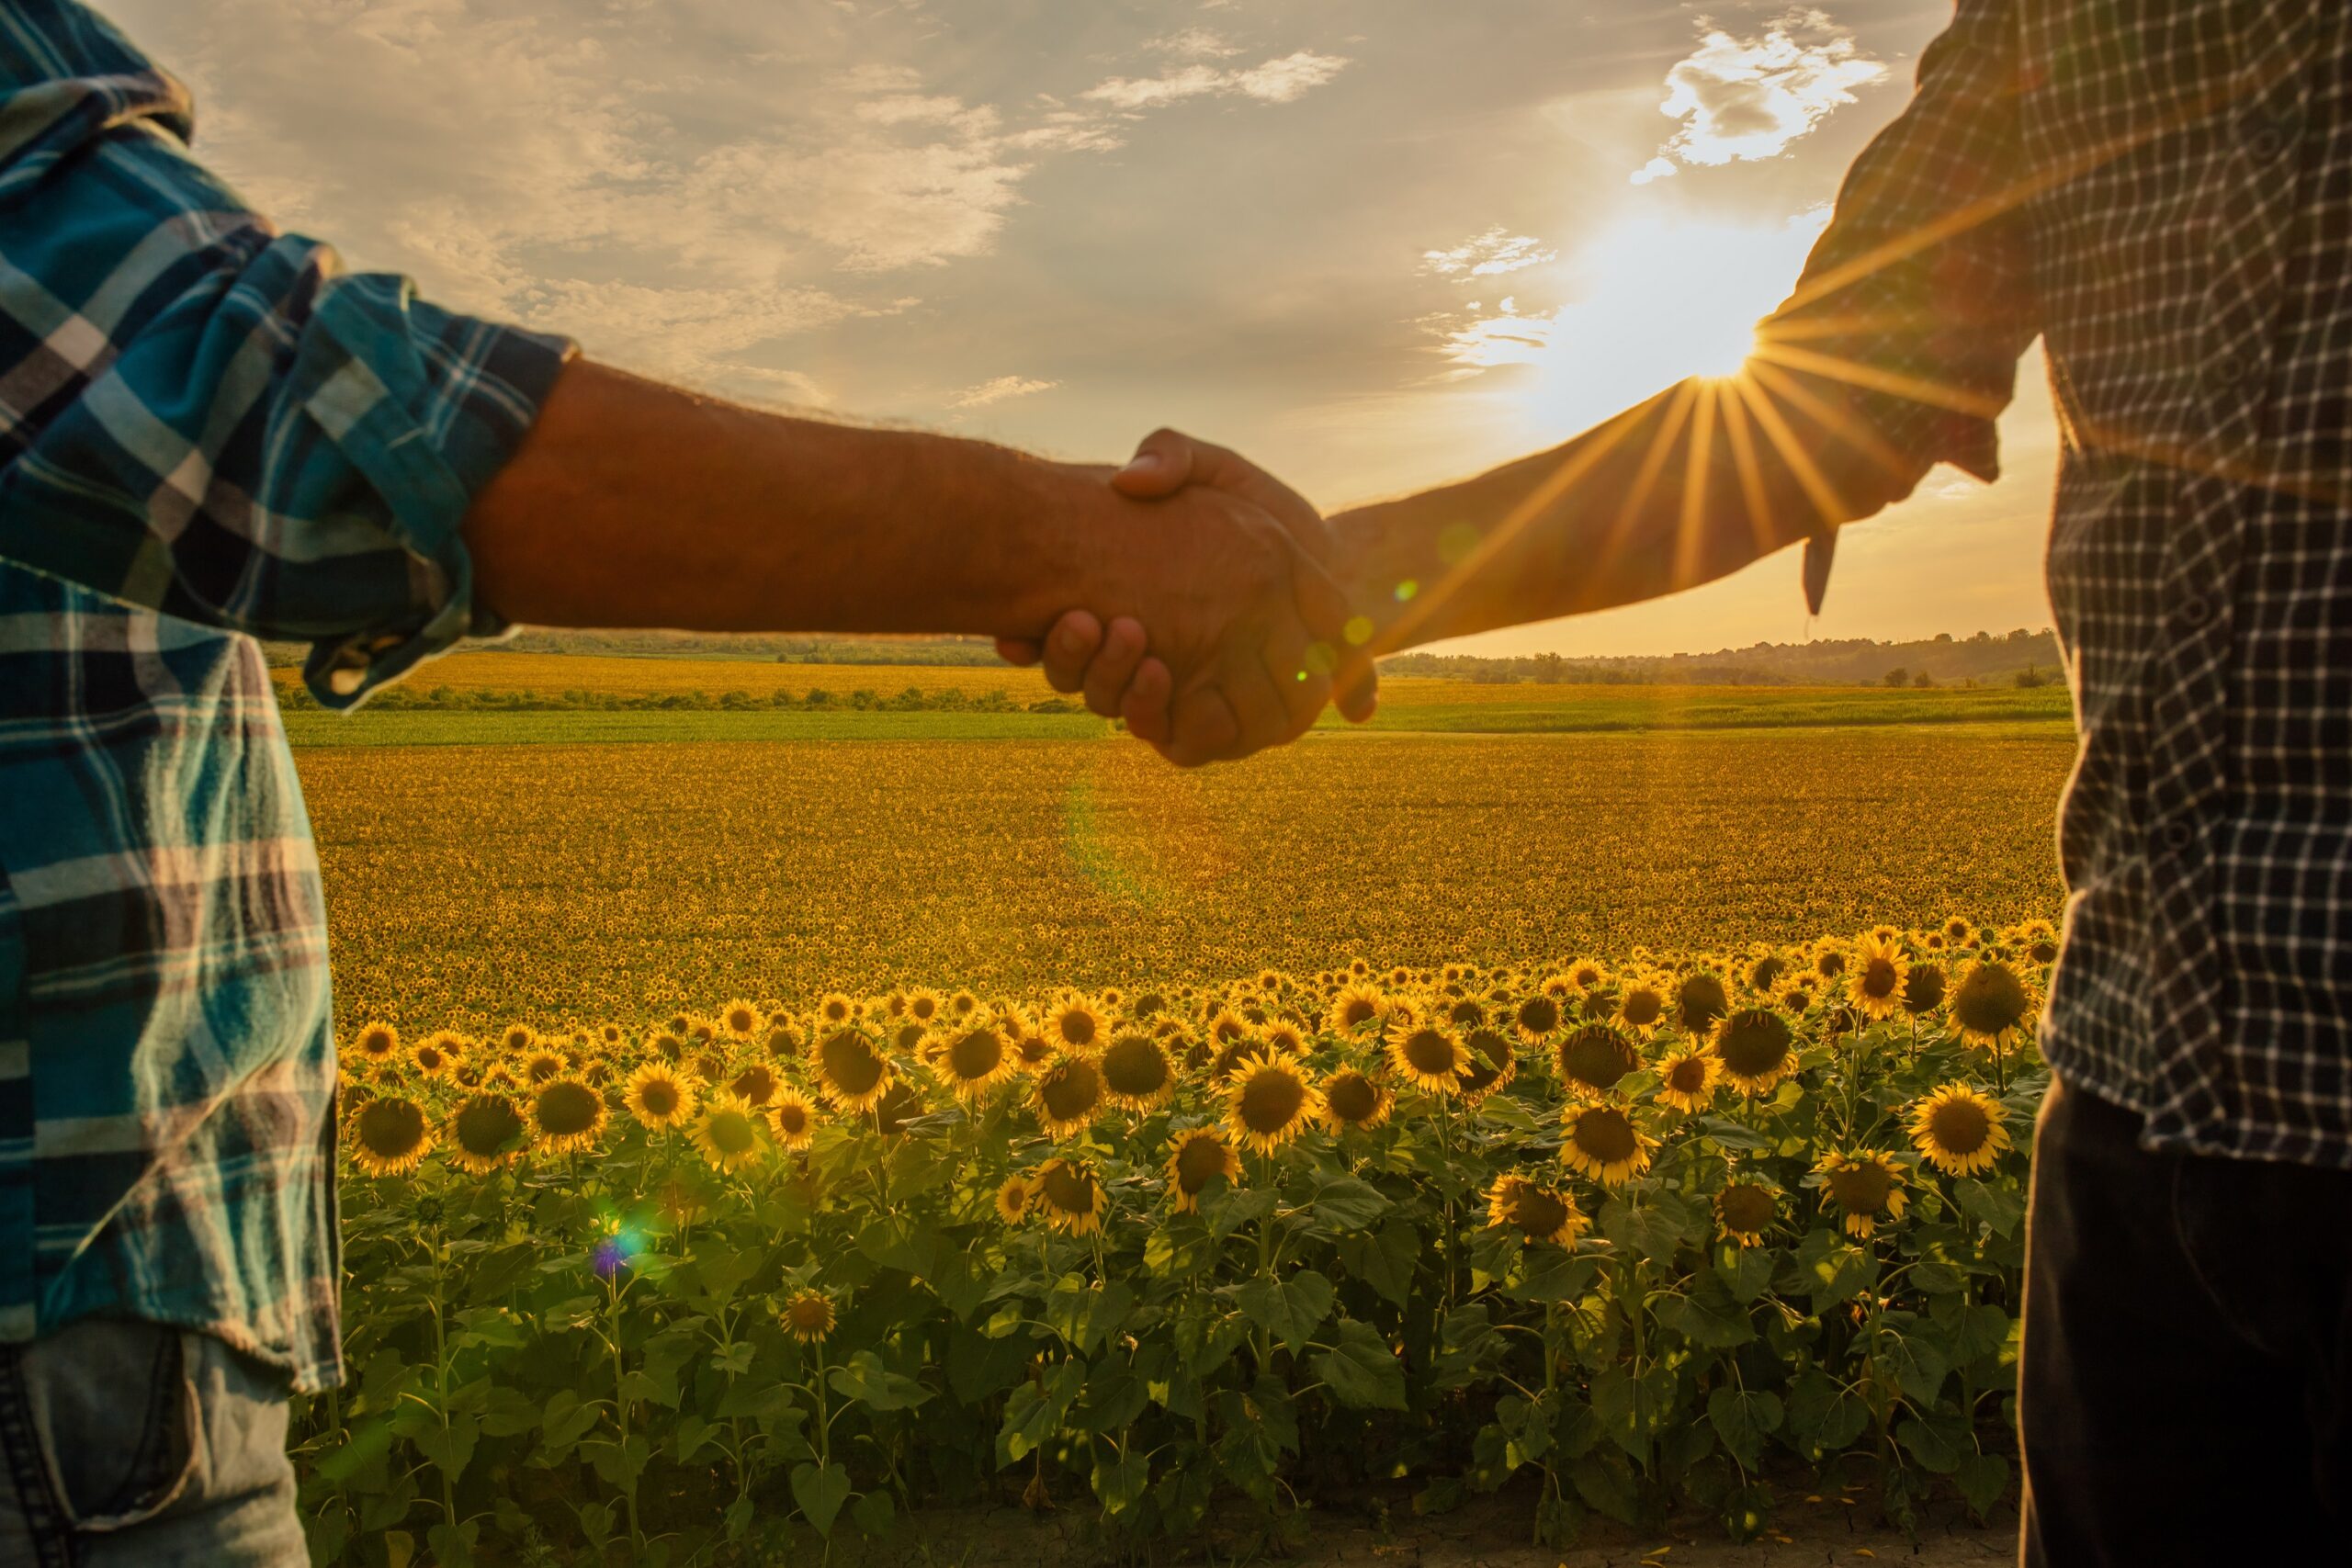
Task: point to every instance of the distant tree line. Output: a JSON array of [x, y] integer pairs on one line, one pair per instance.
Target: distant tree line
[[450, 699]]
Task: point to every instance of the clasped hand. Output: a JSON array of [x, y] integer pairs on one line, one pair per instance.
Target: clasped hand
[[1240, 631]]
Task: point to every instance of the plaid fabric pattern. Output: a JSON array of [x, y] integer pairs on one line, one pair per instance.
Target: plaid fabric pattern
[[2164, 193], [207, 433]]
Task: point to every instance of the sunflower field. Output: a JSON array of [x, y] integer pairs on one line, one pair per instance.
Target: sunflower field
[[1663, 1234]]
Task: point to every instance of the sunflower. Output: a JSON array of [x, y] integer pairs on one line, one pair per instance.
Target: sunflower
[[518, 1039], [1489, 1065], [923, 1006], [542, 1064], [1226, 1026], [1536, 1017], [1350, 1098], [1199, 1158], [1763, 970], [974, 1058], [376, 1043], [611, 1036], [438, 1054], [1066, 1096], [1538, 1214], [1355, 1007], [1593, 1060], [1069, 1196], [657, 1097], [851, 1074], [1032, 1052], [726, 1134], [807, 1315], [389, 1136], [755, 1085], [1076, 1026], [670, 1045], [566, 1114], [1756, 1048], [1959, 1130], [2039, 938], [1874, 984], [1427, 1055], [1640, 1005], [485, 1132], [1864, 1183], [1602, 1143], [1699, 999], [1686, 1080], [899, 1104], [1991, 1003], [1959, 930], [740, 1020], [1137, 1074], [1012, 1197], [1287, 1037], [1270, 1103], [963, 1004], [1743, 1210], [792, 1119], [1923, 989]]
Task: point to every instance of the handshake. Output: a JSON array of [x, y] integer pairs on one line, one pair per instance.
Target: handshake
[[1231, 624]]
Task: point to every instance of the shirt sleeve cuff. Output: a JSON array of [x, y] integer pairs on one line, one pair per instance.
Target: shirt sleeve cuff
[[426, 405]]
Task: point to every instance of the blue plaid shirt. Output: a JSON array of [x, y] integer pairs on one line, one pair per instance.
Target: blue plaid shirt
[[210, 434]]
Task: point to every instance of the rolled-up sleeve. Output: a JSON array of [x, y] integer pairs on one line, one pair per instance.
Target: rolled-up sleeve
[[210, 420], [1918, 298]]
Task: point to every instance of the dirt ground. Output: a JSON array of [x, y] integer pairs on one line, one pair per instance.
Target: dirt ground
[[1805, 1533]]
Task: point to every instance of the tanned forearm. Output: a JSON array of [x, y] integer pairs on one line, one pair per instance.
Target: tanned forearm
[[1685, 487], [637, 504]]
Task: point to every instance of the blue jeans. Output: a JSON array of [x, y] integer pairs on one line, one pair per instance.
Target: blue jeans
[[125, 1443]]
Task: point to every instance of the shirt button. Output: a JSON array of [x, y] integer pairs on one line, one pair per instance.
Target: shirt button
[[2196, 609], [2268, 135], [2225, 369], [2178, 835]]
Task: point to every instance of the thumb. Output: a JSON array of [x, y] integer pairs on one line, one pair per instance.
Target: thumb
[[1323, 605], [1162, 465]]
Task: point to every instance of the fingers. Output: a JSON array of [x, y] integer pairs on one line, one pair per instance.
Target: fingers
[[1303, 688], [1162, 466], [1204, 728], [1020, 651], [1145, 708], [1112, 669], [1070, 647], [1323, 607]]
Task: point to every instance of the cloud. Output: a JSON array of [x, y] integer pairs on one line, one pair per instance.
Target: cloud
[[997, 390], [1472, 342], [1193, 43], [1741, 99], [1280, 81], [1488, 255]]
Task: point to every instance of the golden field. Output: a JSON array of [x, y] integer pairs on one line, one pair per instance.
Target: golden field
[[558, 883]]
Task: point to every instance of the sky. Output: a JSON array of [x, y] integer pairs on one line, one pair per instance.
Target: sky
[[1375, 244]]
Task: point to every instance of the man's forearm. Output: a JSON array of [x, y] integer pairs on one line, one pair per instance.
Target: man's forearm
[[637, 504], [1685, 487]]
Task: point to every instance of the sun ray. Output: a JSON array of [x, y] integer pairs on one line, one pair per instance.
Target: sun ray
[[1855, 432]]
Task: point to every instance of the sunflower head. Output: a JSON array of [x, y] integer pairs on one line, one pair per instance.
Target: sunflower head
[[726, 1134], [1863, 1184], [740, 1020], [1069, 1197], [566, 1114], [1286, 1037], [1012, 1199], [1923, 989], [1757, 1049], [1959, 930], [792, 1119], [1591, 1061], [1699, 999], [1076, 1026], [376, 1043], [438, 1054], [1353, 1099], [1066, 1096], [756, 1083], [542, 1064], [1426, 1055], [658, 1096], [1355, 1007], [1536, 1017], [975, 1057], [1875, 980], [1199, 1158], [1270, 1102], [1600, 1141], [389, 1136], [1959, 1130], [518, 1039], [1136, 1073], [1743, 1209], [1686, 1080], [807, 1315], [1489, 1064], [1763, 971], [926, 1005], [485, 1132], [851, 1074], [1991, 1003], [1642, 1004], [900, 1105], [1535, 1213]]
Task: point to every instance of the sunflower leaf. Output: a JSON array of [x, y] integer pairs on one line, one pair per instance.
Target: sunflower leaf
[[1997, 1207], [821, 1491], [1982, 1479], [1360, 1371], [1743, 1418], [1346, 1203], [1290, 1309], [865, 1378]]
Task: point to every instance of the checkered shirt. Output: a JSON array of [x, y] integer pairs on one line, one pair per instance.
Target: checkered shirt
[[206, 435], [2164, 193]]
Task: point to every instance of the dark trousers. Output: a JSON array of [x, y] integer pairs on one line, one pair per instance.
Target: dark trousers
[[2182, 1392]]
